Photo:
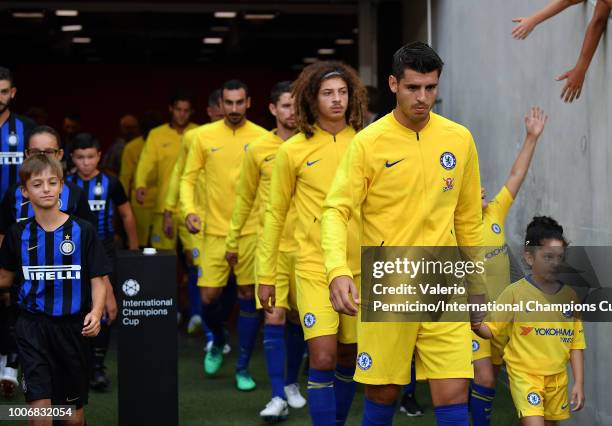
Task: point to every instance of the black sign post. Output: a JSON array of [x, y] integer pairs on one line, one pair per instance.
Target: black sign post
[[147, 353]]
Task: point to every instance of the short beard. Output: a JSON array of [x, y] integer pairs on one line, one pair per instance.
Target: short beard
[[4, 107]]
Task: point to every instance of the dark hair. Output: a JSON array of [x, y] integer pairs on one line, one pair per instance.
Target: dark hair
[[214, 99], [417, 56], [543, 228], [236, 85], [36, 164], [278, 89], [73, 115], [150, 120], [85, 141], [6, 74], [181, 95], [306, 89], [39, 130]]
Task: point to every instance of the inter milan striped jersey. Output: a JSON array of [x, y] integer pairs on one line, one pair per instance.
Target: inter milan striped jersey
[[17, 208], [54, 269], [104, 193], [13, 134]]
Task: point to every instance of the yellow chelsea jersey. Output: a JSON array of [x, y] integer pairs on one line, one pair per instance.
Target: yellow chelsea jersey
[[217, 151], [254, 184], [497, 263], [536, 342], [304, 170], [412, 189], [127, 174], [172, 197], [157, 161]]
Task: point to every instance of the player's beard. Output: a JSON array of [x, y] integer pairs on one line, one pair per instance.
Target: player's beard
[[234, 117], [289, 125]]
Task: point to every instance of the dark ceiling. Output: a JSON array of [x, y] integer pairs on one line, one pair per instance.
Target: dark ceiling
[[158, 32]]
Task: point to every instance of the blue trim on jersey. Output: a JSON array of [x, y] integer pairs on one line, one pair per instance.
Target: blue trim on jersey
[[58, 285], [77, 285], [41, 252], [25, 261]]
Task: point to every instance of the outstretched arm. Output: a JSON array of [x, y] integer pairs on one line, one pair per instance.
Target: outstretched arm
[[526, 25], [575, 76], [535, 120]]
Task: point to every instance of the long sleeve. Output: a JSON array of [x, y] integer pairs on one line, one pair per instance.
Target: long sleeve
[[172, 197], [346, 193], [146, 163], [468, 217], [282, 188], [194, 164], [246, 192]]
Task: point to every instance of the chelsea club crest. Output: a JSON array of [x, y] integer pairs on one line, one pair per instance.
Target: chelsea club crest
[[448, 160]]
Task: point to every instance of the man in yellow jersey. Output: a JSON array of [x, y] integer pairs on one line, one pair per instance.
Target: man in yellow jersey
[[143, 213], [192, 243], [156, 164], [217, 152], [255, 176], [414, 177], [330, 106], [485, 356]]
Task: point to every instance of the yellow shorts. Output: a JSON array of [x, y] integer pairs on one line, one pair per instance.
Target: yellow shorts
[[143, 217], [535, 395], [285, 293], [214, 268], [318, 315], [385, 351], [484, 348]]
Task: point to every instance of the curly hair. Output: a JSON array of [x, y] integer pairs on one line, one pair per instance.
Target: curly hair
[[306, 89]]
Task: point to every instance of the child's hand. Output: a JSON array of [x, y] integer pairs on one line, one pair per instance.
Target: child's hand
[[573, 85], [535, 120], [523, 29], [91, 324], [577, 400]]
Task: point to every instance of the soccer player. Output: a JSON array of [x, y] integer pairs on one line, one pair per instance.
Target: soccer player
[[14, 131], [254, 183], [156, 164], [58, 264], [218, 152], [330, 107], [143, 213], [485, 356], [214, 110], [104, 193], [16, 208], [575, 77], [536, 361], [192, 243], [414, 177]]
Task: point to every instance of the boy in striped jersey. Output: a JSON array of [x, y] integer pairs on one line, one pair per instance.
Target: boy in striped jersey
[[15, 207], [104, 193], [59, 266]]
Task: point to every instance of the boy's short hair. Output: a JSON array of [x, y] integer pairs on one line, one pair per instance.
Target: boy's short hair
[[39, 130], [36, 164], [85, 141]]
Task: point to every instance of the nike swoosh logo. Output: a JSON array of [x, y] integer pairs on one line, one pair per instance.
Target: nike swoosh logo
[[387, 164], [310, 163], [215, 149], [32, 248], [564, 406], [269, 158], [71, 399]]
